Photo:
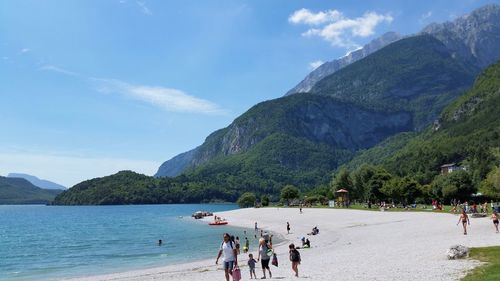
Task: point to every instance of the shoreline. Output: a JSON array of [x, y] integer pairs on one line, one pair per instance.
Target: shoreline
[[352, 245]]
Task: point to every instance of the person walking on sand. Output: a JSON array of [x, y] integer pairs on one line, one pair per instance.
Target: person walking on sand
[[251, 265], [295, 259], [237, 242], [264, 257], [256, 228], [494, 217], [465, 220], [230, 257], [247, 245], [287, 227]]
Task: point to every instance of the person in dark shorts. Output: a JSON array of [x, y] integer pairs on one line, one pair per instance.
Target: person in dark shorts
[[251, 265], [465, 220], [230, 257], [264, 256], [295, 259], [495, 217]]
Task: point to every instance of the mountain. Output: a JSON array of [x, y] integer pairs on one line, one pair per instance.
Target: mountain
[[176, 165], [45, 184], [416, 76], [330, 67], [379, 107], [467, 132], [474, 37], [398, 88], [21, 191]]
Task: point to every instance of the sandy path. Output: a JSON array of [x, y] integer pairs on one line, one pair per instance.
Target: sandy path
[[352, 245]]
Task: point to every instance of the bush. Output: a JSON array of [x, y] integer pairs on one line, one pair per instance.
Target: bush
[[289, 192], [246, 200], [264, 200]]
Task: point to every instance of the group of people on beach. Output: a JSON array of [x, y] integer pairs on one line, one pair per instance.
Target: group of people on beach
[[229, 250], [473, 207]]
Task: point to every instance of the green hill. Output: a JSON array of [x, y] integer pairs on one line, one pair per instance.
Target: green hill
[[467, 133], [21, 191]]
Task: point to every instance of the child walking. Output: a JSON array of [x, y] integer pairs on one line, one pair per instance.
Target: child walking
[[251, 265], [295, 259]]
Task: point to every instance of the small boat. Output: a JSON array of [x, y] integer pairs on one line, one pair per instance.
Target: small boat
[[218, 223], [201, 214]]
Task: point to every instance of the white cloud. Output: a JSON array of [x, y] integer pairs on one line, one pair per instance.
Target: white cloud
[[59, 70], [424, 17], [338, 29], [5, 58], [24, 50], [69, 170], [307, 17], [315, 64], [145, 10], [166, 98]]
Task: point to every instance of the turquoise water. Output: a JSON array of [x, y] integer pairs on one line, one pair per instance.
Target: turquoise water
[[51, 242]]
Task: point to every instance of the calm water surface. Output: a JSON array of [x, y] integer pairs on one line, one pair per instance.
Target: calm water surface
[[53, 242]]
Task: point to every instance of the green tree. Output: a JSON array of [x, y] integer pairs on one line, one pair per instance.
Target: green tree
[[456, 185], [392, 189], [264, 200], [342, 180], [361, 178], [375, 184], [289, 192], [491, 185], [246, 200]]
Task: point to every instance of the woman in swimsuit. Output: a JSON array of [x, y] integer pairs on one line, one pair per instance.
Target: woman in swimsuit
[[494, 217], [465, 220]]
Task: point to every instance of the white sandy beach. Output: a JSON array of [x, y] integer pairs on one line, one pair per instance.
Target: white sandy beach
[[352, 245]]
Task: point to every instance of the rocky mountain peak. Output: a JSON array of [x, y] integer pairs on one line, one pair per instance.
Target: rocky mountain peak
[[332, 66], [474, 37]]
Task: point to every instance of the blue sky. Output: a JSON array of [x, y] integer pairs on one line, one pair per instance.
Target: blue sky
[[88, 88]]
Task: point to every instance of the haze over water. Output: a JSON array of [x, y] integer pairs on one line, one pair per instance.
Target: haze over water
[[46, 242]]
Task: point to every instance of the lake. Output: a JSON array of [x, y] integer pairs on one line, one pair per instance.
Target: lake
[[52, 242]]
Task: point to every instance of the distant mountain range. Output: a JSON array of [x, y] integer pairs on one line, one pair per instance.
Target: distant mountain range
[[45, 184], [21, 191], [377, 107]]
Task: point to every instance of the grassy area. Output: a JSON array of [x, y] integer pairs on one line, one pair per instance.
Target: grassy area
[[488, 271], [420, 208]]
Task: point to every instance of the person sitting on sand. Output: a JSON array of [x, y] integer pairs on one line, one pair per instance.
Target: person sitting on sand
[[264, 248], [465, 220], [251, 265], [307, 244], [314, 231], [494, 217], [294, 258], [230, 257]]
